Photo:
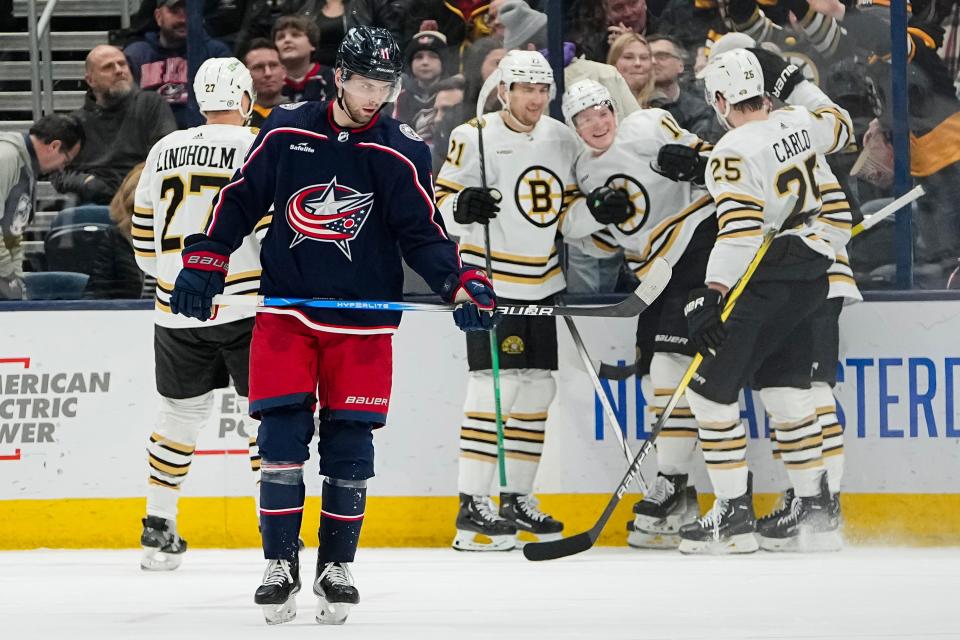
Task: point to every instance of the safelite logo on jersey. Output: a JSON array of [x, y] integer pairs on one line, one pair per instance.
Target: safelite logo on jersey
[[32, 404], [328, 213]]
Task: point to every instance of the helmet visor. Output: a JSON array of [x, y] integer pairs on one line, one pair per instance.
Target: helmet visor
[[368, 89]]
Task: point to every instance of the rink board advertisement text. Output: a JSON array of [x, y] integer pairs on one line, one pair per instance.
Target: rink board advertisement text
[[78, 402]]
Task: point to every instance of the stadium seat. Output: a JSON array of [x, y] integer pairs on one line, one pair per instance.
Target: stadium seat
[[84, 214], [55, 285], [74, 248]]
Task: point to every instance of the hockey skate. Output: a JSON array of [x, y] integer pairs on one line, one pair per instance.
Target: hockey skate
[[277, 596], [729, 527], [162, 547], [479, 528], [524, 512], [335, 592], [669, 505], [803, 524]]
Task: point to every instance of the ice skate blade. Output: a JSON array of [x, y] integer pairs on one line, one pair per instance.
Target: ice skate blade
[[472, 541], [280, 613], [153, 559], [804, 542], [332, 612], [526, 537], [650, 540], [669, 525], [742, 543]]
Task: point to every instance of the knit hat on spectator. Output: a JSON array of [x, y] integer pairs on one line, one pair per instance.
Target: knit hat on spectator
[[170, 3], [425, 41], [522, 25]]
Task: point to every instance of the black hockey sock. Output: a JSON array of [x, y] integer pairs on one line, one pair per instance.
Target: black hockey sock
[[281, 509], [341, 517]]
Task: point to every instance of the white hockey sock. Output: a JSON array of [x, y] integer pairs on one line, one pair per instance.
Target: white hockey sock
[[677, 441], [170, 451], [833, 457], [478, 432], [723, 440], [524, 434], [799, 440]]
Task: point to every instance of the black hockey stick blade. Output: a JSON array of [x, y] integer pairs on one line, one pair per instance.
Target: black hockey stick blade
[[616, 371], [562, 548]]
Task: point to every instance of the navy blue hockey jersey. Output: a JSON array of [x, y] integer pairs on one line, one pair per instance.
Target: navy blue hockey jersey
[[346, 204]]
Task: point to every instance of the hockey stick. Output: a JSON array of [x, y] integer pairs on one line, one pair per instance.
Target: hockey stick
[[633, 305], [494, 342], [604, 400], [564, 547], [621, 372], [888, 210]]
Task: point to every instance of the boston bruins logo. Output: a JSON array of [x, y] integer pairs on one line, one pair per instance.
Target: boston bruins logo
[[539, 196], [638, 197]]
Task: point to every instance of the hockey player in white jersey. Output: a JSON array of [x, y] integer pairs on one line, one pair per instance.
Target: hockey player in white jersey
[[183, 173], [531, 196], [763, 177], [645, 180]]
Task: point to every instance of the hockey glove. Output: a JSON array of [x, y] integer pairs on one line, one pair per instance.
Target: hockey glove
[[12, 287], [704, 325], [475, 204], [681, 163], [204, 273], [609, 206], [780, 77], [473, 291]]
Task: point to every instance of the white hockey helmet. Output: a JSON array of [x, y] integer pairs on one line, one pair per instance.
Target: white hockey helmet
[[526, 66], [736, 75], [220, 85], [582, 95]]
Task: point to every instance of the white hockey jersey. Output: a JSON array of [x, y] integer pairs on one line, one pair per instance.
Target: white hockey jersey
[[666, 213], [763, 176], [534, 173], [183, 173], [837, 218]]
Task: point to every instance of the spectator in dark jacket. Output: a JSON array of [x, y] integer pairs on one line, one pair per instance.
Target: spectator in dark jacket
[[120, 124], [378, 13], [115, 274], [687, 107], [159, 61], [461, 21], [296, 39], [423, 70]]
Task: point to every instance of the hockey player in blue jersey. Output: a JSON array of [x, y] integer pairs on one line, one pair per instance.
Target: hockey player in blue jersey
[[350, 192]]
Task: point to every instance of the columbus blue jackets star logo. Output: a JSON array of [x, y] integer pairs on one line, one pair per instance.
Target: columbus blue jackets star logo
[[328, 213]]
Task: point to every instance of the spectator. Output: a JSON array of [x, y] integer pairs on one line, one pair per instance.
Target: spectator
[[479, 61], [330, 16], [51, 144], [526, 28], [115, 274], [296, 39], [596, 25], [120, 124], [159, 61], [688, 108], [631, 55], [423, 60], [461, 21], [449, 111], [387, 14], [263, 61]]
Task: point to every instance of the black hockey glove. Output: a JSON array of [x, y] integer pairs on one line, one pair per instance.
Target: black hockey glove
[[704, 325], [681, 163], [205, 265], [609, 206], [12, 287], [780, 77], [475, 204]]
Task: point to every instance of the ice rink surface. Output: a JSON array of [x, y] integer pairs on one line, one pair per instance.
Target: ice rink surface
[[863, 593]]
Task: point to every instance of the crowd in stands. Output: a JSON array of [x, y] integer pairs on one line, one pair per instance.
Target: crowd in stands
[[646, 52]]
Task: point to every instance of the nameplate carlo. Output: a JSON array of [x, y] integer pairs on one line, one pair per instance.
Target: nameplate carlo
[[525, 310]]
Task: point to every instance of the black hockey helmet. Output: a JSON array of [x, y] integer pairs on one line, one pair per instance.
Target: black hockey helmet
[[371, 52]]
